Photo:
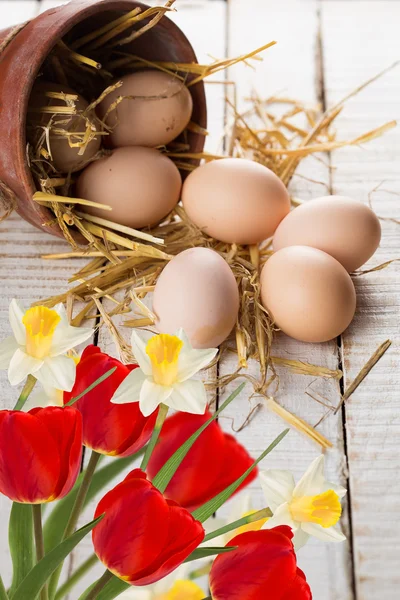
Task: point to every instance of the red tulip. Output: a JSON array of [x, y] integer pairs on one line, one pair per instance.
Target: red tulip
[[113, 429], [41, 453], [143, 537], [263, 566], [215, 461]]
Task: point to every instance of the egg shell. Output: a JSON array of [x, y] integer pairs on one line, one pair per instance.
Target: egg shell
[[64, 157], [235, 200], [140, 184], [308, 293], [159, 111], [344, 228], [198, 292]]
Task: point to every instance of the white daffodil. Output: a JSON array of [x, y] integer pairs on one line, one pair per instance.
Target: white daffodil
[[48, 396], [42, 336], [310, 508], [175, 586], [167, 364]]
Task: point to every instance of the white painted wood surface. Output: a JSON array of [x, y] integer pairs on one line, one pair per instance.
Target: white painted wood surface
[[359, 38]]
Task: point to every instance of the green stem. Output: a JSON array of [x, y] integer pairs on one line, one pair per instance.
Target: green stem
[[26, 390], [102, 582], [38, 529], [75, 514], [3, 592], [76, 576], [92, 386], [162, 415], [265, 513]]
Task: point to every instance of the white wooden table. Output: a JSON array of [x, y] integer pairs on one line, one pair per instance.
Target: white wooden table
[[352, 40]]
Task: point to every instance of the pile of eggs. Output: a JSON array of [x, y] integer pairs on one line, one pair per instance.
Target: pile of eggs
[[305, 285], [142, 185]]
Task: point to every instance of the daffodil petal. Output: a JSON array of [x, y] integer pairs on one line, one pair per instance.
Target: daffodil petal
[[37, 400], [281, 516], [7, 350], [338, 489], [278, 486], [22, 365], [189, 396], [192, 361], [66, 337], [16, 313], [326, 534], [300, 539], [152, 395], [313, 481], [129, 390], [58, 372], [139, 352], [62, 313]]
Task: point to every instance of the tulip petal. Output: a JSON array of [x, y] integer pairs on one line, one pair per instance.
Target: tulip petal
[[278, 486], [29, 460], [328, 534], [58, 372], [66, 337], [139, 352], [189, 396], [22, 365], [299, 590], [7, 350], [152, 395], [129, 390], [281, 516], [16, 314]]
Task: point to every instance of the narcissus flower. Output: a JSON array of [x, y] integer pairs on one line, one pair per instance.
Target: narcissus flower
[[176, 586], [262, 567], [42, 336], [143, 537], [215, 461], [167, 364], [116, 430], [41, 453], [312, 507]]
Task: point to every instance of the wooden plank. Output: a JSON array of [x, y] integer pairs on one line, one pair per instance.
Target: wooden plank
[[194, 18], [289, 69], [360, 39]]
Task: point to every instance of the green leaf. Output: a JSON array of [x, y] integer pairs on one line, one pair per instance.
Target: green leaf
[[92, 386], [20, 538], [3, 591], [111, 590], [209, 551], [209, 508], [37, 577], [58, 518], [264, 513], [165, 474]]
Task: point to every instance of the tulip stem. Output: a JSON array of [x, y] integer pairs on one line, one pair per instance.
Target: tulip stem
[[102, 582], [75, 514], [26, 390], [38, 529], [162, 415]]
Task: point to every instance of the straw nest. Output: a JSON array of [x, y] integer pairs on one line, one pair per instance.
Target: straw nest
[[129, 261]]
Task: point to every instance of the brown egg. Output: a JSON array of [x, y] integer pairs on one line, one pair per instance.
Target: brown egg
[[198, 292], [158, 110], [235, 200], [344, 228], [64, 157], [140, 184], [308, 293]]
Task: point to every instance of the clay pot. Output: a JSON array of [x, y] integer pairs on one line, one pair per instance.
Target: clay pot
[[22, 54]]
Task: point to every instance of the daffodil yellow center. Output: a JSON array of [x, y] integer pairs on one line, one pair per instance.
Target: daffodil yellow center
[[324, 509], [40, 324], [254, 526], [163, 351], [183, 590]]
